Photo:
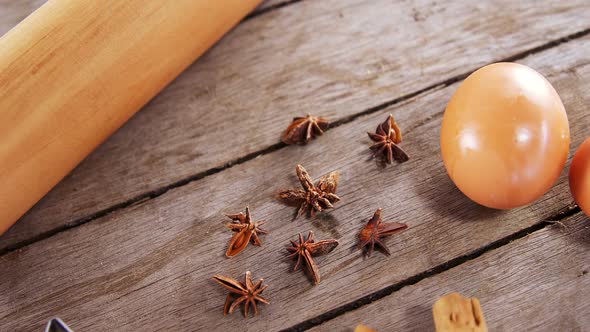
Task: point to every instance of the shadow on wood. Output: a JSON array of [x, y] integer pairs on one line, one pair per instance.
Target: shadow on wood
[[424, 313], [446, 199]]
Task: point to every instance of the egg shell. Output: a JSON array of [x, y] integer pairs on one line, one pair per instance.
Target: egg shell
[[505, 136], [579, 177]]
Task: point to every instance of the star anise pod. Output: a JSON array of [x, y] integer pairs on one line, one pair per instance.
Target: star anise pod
[[370, 236], [303, 129], [246, 231], [308, 248], [387, 138], [247, 293], [314, 198]]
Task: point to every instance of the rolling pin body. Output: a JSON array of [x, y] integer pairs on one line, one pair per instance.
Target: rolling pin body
[[75, 70]]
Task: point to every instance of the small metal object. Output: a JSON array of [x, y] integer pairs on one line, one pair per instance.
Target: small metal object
[[57, 325]]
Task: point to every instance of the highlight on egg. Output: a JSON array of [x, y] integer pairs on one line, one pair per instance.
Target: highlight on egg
[[505, 136]]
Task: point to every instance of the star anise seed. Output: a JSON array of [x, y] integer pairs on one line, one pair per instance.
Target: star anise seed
[[303, 129], [387, 138], [246, 231], [314, 198], [307, 248], [370, 236], [247, 293]]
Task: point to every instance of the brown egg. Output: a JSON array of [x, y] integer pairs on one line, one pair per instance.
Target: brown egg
[[580, 177], [505, 136]]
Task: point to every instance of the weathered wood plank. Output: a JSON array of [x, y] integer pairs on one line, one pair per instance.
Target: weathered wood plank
[[12, 12], [538, 283], [274, 3], [335, 58], [150, 265]]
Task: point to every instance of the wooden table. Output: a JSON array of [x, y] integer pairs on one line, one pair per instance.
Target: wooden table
[[130, 239]]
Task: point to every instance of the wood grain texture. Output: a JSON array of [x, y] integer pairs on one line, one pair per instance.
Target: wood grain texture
[[151, 264], [274, 4], [74, 72], [14, 11], [334, 58], [538, 283]]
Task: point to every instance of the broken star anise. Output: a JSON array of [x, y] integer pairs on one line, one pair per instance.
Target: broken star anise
[[387, 138], [246, 231], [314, 198], [247, 293], [370, 236], [303, 129], [307, 248]]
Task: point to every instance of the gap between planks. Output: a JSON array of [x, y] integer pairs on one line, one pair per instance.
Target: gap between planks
[[179, 236], [270, 8], [172, 135], [567, 212], [142, 198]]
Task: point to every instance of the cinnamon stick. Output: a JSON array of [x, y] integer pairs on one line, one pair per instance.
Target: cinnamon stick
[[455, 313]]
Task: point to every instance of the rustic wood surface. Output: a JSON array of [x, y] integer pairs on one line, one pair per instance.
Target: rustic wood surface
[[14, 11], [538, 283], [147, 265], [156, 258], [232, 105]]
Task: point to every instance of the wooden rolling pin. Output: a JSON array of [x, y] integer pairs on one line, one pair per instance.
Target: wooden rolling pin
[[75, 70]]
